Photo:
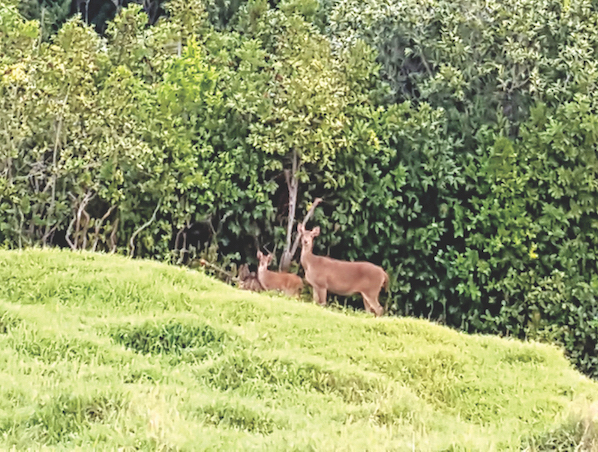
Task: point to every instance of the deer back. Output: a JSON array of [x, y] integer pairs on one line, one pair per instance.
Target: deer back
[[343, 277]]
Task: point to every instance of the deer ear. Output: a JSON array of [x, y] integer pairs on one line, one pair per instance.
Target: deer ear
[[259, 254], [300, 228], [316, 231]]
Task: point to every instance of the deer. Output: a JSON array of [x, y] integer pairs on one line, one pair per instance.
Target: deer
[[326, 274], [248, 280], [288, 283]]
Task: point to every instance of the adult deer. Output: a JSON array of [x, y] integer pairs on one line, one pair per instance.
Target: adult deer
[[325, 274], [288, 283]]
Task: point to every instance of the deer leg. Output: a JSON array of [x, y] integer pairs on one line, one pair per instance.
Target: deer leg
[[372, 305], [370, 302], [320, 295], [377, 309], [366, 303]]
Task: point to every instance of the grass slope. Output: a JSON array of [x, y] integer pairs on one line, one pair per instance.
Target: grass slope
[[104, 352]]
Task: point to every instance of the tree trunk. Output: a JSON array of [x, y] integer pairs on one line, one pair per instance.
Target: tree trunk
[[291, 253], [293, 187]]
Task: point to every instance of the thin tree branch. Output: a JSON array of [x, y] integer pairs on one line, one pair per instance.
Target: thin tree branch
[[77, 219], [88, 197], [205, 263], [113, 236], [54, 163], [68, 233], [96, 237], [304, 222], [183, 249], [85, 228], [145, 225], [293, 188]]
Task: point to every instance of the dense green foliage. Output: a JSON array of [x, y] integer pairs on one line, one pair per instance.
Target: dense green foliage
[[513, 203], [104, 352], [453, 143]]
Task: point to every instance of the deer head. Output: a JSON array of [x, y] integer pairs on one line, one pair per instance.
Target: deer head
[[307, 237], [286, 282], [264, 259]]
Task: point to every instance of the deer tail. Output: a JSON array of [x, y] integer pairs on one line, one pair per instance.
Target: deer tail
[[386, 282]]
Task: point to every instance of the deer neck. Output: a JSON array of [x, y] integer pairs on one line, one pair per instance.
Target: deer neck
[[261, 272], [306, 257]]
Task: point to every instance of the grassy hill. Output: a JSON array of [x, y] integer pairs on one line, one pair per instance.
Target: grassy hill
[[104, 352]]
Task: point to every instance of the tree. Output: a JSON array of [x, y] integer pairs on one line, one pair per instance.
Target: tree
[[303, 116]]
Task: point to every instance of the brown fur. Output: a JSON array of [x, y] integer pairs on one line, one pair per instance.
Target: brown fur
[[325, 274], [248, 280], [288, 283]]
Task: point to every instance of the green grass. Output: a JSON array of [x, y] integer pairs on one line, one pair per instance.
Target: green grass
[[109, 353]]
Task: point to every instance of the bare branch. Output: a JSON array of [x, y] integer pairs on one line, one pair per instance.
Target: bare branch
[[141, 228], [304, 222], [311, 210], [85, 228], [293, 188], [183, 250], [113, 236], [77, 219], [54, 162], [22, 217], [205, 263], [221, 222], [50, 234], [88, 197], [68, 233], [176, 239], [96, 237]]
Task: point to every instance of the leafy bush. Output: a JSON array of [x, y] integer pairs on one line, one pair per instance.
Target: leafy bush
[[510, 225]]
